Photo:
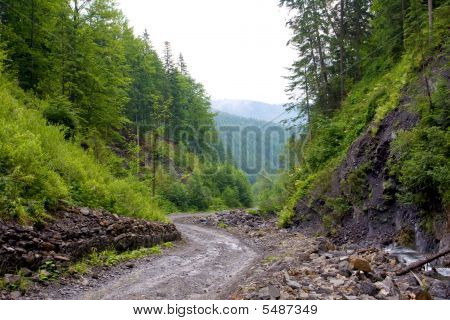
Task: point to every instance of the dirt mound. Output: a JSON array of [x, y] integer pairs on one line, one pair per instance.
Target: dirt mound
[[71, 233]]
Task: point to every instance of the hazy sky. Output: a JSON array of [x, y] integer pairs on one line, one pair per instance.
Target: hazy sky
[[236, 48]]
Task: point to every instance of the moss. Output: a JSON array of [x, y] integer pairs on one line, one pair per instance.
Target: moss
[[356, 184], [406, 237]]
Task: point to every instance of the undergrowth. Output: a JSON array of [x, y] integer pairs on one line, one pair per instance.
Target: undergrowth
[[39, 167]]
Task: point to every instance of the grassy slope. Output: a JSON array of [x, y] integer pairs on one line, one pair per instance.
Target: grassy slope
[[369, 101], [38, 167]]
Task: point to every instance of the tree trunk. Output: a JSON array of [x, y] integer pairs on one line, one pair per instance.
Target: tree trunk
[[430, 21], [313, 57], [155, 139], [420, 263], [308, 111], [341, 50], [32, 43]]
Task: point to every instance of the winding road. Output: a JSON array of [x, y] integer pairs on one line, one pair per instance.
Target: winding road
[[207, 266]]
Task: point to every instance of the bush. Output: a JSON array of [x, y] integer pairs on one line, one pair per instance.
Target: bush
[[231, 197], [422, 167], [39, 167]]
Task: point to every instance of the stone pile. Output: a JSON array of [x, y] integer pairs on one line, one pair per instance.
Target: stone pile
[[72, 233]]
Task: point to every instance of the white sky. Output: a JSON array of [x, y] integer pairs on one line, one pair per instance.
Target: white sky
[[236, 48]]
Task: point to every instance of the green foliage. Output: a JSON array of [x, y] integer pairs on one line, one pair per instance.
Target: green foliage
[[420, 156], [88, 78], [390, 54], [247, 155], [231, 197], [422, 167], [110, 258], [222, 225], [339, 206], [285, 217], [199, 195], [271, 193], [356, 184], [39, 168]]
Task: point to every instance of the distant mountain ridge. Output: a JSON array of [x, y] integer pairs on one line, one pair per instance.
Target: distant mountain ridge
[[252, 153], [252, 109]]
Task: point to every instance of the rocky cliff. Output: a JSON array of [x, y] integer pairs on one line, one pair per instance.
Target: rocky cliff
[[360, 203]]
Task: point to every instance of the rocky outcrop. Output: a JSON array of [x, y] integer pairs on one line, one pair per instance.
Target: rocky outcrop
[[71, 233], [360, 200]]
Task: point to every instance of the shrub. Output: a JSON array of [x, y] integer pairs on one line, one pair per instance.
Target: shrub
[[39, 167]]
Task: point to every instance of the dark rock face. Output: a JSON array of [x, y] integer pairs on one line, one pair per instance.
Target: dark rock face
[[362, 184], [74, 232]]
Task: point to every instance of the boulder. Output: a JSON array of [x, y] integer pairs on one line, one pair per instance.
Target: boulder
[[357, 263], [368, 288], [274, 292]]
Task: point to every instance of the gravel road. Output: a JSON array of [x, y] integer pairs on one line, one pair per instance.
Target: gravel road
[[207, 266]]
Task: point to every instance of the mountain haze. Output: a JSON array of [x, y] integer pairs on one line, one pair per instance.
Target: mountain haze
[[252, 109]]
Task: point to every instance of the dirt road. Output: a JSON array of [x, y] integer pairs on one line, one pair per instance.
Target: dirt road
[[207, 266]]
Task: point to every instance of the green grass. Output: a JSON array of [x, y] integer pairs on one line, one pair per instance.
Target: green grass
[[222, 225], [39, 167], [109, 258]]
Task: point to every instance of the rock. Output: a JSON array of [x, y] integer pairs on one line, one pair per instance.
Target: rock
[[85, 211], [130, 265], [61, 258], [440, 289], [11, 279], [84, 282], [293, 284], [264, 294], [302, 295], [26, 272], [71, 233], [269, 293], [15, 295], [358, 263], [386, 287], [343, 265], [325, 245], [346, 273], [274, 292], [368, 288], [304, 257], [337, 282], [286, 296]]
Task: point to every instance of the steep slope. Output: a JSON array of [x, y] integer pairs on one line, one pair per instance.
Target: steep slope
[[39, 167], [362, 201], [377, 170]]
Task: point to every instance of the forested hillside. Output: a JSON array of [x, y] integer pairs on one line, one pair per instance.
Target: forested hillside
[[92, 116], [372, 80], [255, 146]]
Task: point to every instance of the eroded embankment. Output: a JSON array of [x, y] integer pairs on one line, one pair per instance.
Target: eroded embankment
[[72, 233]]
